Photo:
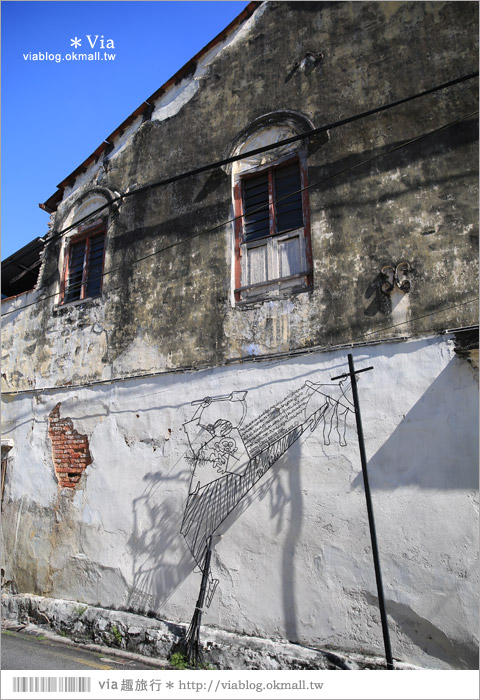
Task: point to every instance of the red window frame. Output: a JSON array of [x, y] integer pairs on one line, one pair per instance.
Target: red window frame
[[239, 219], [86, 235]]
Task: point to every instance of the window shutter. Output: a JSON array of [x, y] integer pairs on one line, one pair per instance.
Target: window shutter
[[85, 268], [291, 258], [288, 207], [272, 245], [95, 266], [75, 271], [257, 264], [255, 197]]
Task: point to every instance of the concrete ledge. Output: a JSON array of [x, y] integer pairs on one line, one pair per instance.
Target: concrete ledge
[[129, 634], [40, 631]]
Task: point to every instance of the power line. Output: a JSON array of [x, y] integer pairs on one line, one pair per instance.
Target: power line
[[229, 221], [278, 144], [356, 341]]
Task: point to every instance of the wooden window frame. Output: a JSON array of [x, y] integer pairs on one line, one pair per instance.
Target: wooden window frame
[[305, 278], [86, 234]]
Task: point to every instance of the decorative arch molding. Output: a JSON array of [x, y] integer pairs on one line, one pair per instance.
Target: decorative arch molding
[[88, 202], [268, 129]]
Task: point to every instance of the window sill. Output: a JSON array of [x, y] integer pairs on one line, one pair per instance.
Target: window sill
[[272, 295], [275, 283], [77, 302]]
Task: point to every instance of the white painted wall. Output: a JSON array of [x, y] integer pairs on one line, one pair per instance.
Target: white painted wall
[[294, 560]]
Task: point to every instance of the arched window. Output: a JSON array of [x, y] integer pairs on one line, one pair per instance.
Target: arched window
[[272, 249], [85, 251]]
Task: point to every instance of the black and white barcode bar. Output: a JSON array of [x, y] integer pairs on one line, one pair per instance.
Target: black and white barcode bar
[[47, 684]]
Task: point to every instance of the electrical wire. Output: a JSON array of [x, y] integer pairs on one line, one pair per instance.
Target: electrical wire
[[278, 144], [354, 342], [231, 220]]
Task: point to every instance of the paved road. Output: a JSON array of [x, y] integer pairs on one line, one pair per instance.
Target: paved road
[[27, 652]]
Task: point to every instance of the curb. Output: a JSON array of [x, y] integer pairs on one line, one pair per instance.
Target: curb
[[151, 640], [35, 631]]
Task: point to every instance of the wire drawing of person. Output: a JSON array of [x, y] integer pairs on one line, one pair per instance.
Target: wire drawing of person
[[216, 445]]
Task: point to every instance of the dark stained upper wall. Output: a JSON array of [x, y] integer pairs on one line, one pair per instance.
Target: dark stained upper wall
[[417, 204]]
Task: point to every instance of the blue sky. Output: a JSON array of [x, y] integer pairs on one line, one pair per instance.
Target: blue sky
[[55, 113]]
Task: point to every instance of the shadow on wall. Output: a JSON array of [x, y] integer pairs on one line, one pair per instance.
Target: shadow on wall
[[436, 444], [431, 639], [160, 560], [229, 455], [286, 509], [166, 544], [456, 136], [381, 302], [292, 539]]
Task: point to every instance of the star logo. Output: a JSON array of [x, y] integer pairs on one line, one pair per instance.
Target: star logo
[[75, 42]]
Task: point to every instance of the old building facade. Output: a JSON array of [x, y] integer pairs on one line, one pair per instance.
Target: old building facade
[[182, 327]]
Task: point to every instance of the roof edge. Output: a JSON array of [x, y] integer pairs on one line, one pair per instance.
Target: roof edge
[[51, 204], [24, 250]]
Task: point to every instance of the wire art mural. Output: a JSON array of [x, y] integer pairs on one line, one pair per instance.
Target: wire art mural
[[229, 454]]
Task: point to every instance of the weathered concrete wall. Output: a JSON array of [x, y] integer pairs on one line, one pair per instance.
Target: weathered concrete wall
[[113, 540], [157, 639], [417, 204]]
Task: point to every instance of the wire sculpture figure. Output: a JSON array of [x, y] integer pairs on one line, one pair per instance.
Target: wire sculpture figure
[[228, 457]]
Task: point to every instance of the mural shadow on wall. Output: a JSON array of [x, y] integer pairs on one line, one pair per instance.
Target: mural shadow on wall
[[286, 507], [231, 455], [156, 533], [452, 462], [157, 524], [160, 561], [168, 545]]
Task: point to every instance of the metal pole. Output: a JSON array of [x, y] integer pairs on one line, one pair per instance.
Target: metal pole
[[203, 586], [371, 520], [193, 651]]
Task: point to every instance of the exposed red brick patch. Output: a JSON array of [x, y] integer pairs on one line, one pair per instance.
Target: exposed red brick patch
[[71, 454]]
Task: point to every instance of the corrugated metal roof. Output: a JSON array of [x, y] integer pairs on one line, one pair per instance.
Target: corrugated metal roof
[[20, 270]]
